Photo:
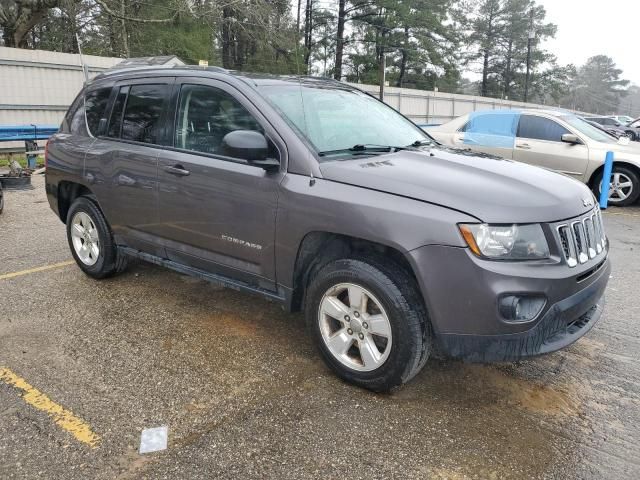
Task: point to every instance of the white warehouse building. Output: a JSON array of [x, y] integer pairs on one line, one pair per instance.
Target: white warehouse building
[[37, 86]]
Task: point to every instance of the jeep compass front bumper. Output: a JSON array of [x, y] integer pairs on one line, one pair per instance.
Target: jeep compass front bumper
[[463, 292]]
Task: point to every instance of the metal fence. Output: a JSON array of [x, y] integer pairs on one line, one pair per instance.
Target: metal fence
[[429, 107], [38, 86]]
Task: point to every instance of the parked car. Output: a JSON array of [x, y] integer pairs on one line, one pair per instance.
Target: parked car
[[612, 125], [613, 131], [316, 195], [552, 139], [623, 119]]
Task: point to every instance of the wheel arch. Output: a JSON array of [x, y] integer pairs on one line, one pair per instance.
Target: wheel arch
[[598, 171], [318, 248], [68, 192]]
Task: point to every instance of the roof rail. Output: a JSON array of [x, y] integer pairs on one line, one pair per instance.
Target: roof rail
[[126, 69]]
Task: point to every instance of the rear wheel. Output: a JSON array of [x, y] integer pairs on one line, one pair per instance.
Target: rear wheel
[[624, 188], [369, 323], [91, 241]]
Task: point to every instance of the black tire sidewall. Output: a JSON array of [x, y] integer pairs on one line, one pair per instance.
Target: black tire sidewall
[[635, 179], [407, 333], [104, 266]]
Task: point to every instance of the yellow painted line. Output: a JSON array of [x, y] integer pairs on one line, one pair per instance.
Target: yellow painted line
[[63, 418], [5, 276]]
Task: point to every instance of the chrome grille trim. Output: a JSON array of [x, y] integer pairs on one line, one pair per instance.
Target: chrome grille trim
[[591, 236], [582, 239]]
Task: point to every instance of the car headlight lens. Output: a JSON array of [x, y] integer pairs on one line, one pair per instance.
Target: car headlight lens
[[511, 242]]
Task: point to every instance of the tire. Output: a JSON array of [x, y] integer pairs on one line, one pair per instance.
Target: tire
[[387, 286], [632, 135], [624, 176], [103, 260]]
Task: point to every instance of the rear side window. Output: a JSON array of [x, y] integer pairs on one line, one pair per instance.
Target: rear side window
[[95, 106], [141, 119], [540, 128]]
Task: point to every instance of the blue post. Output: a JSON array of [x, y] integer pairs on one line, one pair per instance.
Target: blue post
[[606, 180]]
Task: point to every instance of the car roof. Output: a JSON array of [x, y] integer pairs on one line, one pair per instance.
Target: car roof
[[251, 79], [526, 111]]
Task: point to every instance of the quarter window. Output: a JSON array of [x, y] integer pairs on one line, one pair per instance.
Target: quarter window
[[540, 128], [95, 106], [75, 120], [206, 115], [142, 113]]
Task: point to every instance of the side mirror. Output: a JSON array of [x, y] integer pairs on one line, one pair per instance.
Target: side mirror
[[249, 145], [571, 138]]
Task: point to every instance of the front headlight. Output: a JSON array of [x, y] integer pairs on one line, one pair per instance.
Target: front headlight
[[511, 242]]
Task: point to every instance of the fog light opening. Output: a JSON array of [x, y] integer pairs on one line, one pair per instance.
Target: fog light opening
[[514, 308]]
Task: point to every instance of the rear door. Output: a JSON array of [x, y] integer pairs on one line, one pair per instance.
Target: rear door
[[122, 165], [488, 132], [539, 142], [217, 213]]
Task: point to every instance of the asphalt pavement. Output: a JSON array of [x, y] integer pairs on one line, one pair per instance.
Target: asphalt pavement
[[86, 365]]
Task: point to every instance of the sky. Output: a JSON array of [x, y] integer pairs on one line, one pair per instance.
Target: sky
[[592, 27]]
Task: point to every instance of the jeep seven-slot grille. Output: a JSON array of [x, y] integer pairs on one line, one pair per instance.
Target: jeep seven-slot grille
[[582, 239]]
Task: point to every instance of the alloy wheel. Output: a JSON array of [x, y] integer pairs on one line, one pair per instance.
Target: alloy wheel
[[620, 188], [85, 239], [355, 327]]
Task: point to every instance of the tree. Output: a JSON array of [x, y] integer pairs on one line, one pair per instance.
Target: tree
[[486, 28], [18, 17], [598, 86], [323, 47], [520, 17]]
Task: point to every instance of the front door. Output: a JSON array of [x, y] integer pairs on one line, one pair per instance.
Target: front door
[[539, 142], [218, 213]]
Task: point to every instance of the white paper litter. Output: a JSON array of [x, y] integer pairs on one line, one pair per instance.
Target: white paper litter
[[153, 439]]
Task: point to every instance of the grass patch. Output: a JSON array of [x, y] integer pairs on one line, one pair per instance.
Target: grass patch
[[4, 161]]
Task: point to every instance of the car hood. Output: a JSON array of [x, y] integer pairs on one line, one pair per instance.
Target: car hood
[[492, 189]]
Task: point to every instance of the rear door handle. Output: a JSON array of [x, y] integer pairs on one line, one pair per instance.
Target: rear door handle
[[178, 170], [524, 146]]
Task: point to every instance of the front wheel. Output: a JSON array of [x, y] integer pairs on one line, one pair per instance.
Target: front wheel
[[368, 322], [624, 188], [91, 241]]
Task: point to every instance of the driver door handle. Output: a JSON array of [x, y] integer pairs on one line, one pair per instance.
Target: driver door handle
[[523, 146], [177, 170]]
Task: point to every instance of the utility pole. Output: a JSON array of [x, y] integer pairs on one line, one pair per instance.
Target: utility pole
[[382, 72], [532, 36]]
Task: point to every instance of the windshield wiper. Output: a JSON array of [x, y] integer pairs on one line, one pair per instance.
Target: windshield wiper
[[364, 149], [422, 143]]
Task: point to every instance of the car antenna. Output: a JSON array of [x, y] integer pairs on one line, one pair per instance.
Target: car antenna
[[85, 69]]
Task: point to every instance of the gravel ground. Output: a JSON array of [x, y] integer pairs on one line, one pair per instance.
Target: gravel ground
[[245, 395]]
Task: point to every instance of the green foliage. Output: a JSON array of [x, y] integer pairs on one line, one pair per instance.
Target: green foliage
[[597, 86], [423, 44]]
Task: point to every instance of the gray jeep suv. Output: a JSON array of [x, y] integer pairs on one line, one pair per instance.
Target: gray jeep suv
[[316, 195]]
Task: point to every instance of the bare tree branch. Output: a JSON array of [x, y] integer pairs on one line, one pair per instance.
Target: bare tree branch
[[119, 16]]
